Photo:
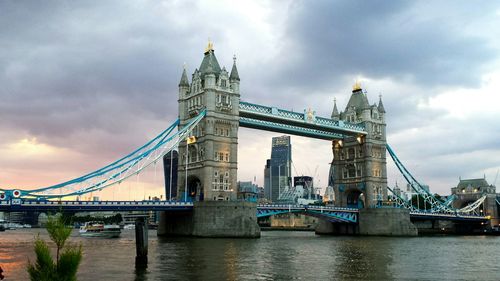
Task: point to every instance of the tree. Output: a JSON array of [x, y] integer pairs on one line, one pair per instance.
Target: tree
[[67, 258]]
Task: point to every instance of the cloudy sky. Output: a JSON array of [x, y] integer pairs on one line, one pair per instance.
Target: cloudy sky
[[82, 83]]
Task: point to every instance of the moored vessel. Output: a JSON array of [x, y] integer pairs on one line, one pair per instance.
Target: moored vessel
[[99, 229]]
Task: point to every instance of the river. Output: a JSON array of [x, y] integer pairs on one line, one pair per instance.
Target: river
[[277, 255]]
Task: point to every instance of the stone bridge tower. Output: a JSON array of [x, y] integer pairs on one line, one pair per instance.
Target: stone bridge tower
[[358, 171], [213, 158]]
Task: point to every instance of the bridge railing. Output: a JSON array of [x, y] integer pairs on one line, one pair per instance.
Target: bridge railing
[[298, 117], [310, 207], [94, 203]]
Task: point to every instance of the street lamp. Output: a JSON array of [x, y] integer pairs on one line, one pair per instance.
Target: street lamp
[[189, 140]]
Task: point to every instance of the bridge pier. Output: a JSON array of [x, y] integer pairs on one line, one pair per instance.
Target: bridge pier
[[386, 222], [436, 226], [212, 219], [373, 222]]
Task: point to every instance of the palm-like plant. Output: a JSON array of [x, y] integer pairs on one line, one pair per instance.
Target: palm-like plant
[[67, 261]]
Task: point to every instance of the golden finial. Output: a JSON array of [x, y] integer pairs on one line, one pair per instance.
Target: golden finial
[[210, 46], [356, 86]]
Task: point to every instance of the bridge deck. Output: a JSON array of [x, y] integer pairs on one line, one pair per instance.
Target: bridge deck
[[87, 206], [303, 124], [329, 212]]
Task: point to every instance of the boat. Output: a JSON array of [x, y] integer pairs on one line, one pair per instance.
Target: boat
[[129, 226], [99, 229]]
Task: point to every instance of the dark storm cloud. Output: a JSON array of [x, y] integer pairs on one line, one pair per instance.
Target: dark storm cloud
[[403, 40], [100, 77], [79, 66]]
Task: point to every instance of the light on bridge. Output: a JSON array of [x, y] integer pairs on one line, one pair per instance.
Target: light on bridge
[[338, 143]]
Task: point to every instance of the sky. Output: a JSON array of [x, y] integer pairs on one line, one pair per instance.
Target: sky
[[83, 83]]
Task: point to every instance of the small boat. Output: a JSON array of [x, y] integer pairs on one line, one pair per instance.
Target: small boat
[[129, 226], [99, 229]]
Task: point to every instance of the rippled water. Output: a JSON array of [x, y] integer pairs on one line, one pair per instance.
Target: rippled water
[[277, 255]]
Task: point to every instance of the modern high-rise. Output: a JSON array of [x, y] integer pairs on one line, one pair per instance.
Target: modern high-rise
[[307, 183], [170, 167], [278, 170]]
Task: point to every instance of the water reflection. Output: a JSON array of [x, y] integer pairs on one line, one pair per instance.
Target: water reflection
[[275, 256], [363, 259]]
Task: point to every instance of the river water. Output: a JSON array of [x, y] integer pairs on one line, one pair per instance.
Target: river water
[[277, 255]]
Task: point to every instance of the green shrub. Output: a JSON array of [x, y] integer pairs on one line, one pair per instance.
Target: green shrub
[[67, 258]]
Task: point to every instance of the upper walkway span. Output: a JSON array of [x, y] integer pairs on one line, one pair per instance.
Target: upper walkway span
[[305, 124]]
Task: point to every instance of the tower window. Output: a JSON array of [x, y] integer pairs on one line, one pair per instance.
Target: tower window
[[351, 170], [351, 153]]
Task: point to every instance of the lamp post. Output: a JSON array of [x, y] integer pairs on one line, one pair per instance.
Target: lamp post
[[189, 140]]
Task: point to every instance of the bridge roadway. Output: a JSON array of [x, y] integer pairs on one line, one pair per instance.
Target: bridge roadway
[[331, 213]]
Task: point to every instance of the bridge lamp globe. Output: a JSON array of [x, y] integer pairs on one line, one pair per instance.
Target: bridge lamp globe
[[338, 143], [360, 139]]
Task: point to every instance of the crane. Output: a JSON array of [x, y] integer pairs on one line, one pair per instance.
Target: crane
[[496, 178]]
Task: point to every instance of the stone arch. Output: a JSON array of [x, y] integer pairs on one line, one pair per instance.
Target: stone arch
[[194, 188], [355, 198]]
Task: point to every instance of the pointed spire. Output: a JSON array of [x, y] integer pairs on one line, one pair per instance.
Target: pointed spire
[[335, 112], [184, 79], [209, 64], [234, 71], [210, 68], [381, 108]]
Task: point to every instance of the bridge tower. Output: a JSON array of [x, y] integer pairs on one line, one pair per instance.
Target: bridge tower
[[213, 158], [358, 171]]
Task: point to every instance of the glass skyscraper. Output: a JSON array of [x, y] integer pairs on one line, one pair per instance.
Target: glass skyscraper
[[278, 169], [168, 169]]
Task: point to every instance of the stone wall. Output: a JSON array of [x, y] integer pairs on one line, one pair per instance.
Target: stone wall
[[212, 219], [386, 222]]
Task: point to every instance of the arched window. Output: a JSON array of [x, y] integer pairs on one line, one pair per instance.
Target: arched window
[[351, 170], [351, 153]]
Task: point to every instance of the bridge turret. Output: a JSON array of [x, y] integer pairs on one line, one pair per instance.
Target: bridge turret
[[212, 160], [234, 78], [359, 165], [381, 108], [335, 112], [184, 83], [183, 93]]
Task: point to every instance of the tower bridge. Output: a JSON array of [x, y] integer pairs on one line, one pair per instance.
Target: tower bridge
[[210, 114]]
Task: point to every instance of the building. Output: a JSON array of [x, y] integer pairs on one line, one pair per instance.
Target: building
[[170, 168], [212, 160], [468, 191], [267, 181], [358, 171], [473, 186], [278, 170], [248, 191], [307, 183]]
